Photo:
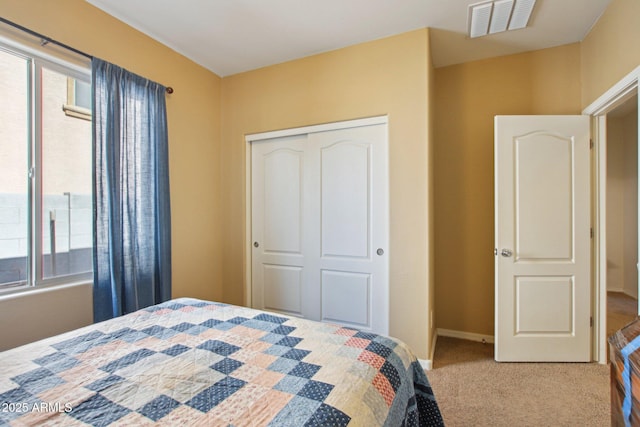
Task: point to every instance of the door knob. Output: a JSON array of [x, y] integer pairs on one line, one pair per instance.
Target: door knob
[[506, 253]]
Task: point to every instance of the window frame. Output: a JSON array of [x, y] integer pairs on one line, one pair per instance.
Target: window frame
[[36, 61], [71, 108]]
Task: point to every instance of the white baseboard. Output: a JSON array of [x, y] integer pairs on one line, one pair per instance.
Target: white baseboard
[[622, 291], [434, 341], [465, 335], [427, 364], [629, 294]]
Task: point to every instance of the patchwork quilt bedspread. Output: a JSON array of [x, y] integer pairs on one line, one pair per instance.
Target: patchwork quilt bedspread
[[191, 362]]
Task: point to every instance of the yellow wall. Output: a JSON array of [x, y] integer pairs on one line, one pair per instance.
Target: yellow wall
[[611, 50], [193, 119], [467, 97], [388, 76]]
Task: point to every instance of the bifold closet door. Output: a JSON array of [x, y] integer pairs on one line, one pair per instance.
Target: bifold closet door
[[320, 226]]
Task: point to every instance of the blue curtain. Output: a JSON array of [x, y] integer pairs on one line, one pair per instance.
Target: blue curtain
[[132, 220]]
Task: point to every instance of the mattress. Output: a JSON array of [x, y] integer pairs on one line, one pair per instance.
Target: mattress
[[195, 362]]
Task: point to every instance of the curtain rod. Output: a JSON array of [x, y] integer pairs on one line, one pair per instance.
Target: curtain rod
[[44, 40]]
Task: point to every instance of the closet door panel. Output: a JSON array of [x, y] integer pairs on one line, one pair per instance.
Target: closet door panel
[[345, 298], [283, 186], [354, 224], [279, 264], [282, 288], [320, 226], [346, 205]]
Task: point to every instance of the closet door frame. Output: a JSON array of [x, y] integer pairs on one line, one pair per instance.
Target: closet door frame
[[249, 139]]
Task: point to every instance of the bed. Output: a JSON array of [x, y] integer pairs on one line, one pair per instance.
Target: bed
[[194, 362]]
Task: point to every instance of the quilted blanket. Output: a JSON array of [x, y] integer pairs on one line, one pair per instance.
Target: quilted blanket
[[191, 362]]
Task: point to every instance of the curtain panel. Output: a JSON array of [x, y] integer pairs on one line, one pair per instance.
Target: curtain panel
[[132, 220]]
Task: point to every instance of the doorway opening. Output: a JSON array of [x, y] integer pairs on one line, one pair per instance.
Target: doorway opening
[[617, 101], [622, 214]]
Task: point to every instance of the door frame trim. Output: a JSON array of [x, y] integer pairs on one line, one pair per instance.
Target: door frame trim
[[612, 98], [255, 137]]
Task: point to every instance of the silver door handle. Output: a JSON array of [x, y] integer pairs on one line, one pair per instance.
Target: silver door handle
[[506, 253]]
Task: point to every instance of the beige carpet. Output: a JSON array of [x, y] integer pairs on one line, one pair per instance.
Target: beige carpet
[[474, 390]]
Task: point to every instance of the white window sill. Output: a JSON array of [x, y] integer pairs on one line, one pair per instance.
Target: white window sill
[[20, 291]]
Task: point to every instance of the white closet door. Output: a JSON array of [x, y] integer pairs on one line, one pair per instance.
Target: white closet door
[[320, 226], [278, 225], [354, 226]]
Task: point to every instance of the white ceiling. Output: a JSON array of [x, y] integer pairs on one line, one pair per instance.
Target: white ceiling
[[232, 36]]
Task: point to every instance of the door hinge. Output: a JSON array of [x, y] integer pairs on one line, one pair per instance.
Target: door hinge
[[590, 144], [592, 232], [591, 322]]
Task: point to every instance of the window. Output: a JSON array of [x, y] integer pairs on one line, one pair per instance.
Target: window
[[46, 223]]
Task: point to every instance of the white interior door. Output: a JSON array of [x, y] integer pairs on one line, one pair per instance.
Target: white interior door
[[320, 226], [543, 238]]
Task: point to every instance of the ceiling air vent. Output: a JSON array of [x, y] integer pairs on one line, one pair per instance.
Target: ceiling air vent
[[490, 17]]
